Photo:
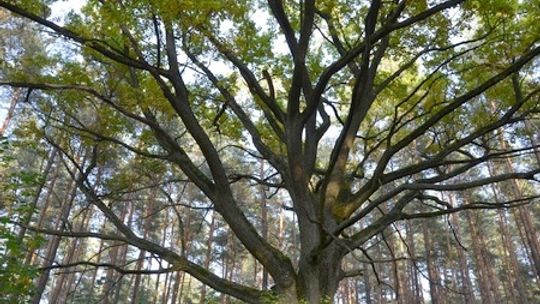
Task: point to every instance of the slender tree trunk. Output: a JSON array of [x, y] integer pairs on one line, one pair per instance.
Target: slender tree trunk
[[54, 243], [416, 288], [466, 284], [167, 276], [367, 285], [28, 217], [281, 228], [136, 284], [509, 253], [43, 212], [232, 263], [510, 264], [379, 269], [157, 294], [11, 111], [124, 252], [187, 238], [433, 275], [178, 278], [167, 288], [94, 272], [399, 284], [115, 258], [407, 293], [188, 288], [264, 222], [208, 257], [493, 278], [110, 277], [79, 251], [481, 267], [349, 290], [170, 278], [529, 230], [63, 282], [533, 132], [142, 253], [164, 295]]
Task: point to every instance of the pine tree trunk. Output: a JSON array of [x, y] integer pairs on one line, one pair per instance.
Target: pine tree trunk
[[208, 257], [164, 295], [399, 283], [114, 257], [533, 132], [491, 275], [509, 253], [178, 279], [481, 267], [529, 230], [54, 243], [64, 281], [186, 247], [170, 277], [11, 111], [416, 288], [43, 212], [136, 284], [94, 272], [167, 288], [188, 288], [379, 290], [466, 284], [367, 285], [433, 275], [264, 223], [28, 217], [281, 228]]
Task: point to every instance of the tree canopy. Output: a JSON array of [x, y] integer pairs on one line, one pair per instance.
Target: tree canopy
[[348, 118]]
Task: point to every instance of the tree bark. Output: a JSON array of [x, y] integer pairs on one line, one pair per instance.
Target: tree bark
[[416, 288], [64, 281], [11, 111], [264, 223], [367, 285], [509, 253], [318, 278], [164, 295], [481, 265], [147, 227], [534, 137], [94, 272], [208, 257], [54, 243], [28, 217], [114, 257], [433, 275], [43, 212], [529, 230], [466, 285]]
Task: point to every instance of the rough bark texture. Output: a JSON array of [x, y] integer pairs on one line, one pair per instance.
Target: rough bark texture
[[327, 195]]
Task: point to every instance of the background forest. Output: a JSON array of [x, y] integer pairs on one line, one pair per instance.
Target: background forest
[[280, 151]]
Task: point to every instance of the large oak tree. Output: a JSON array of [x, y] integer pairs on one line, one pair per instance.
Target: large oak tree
[[354, 105]]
